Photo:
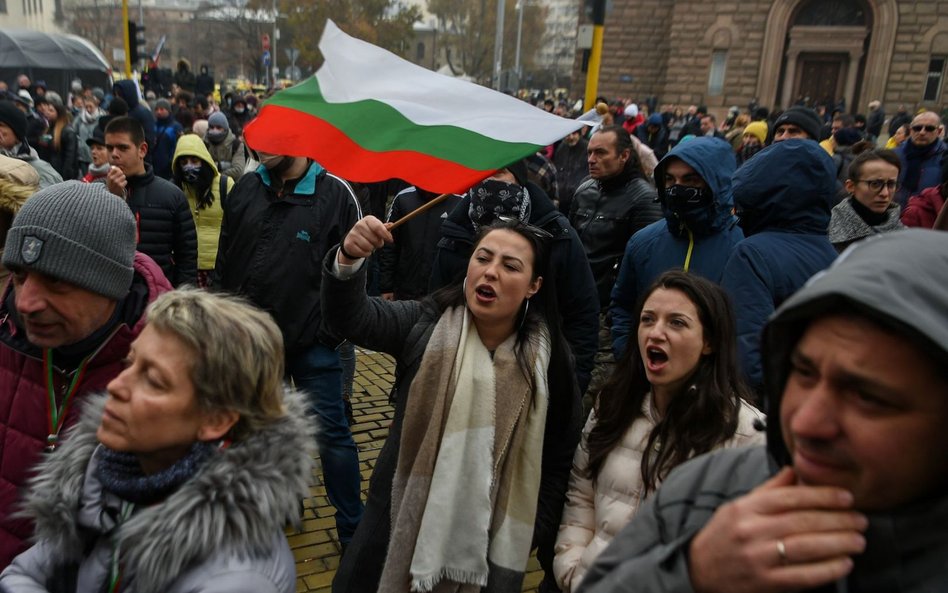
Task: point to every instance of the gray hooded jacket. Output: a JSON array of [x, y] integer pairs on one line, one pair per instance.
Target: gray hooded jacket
[[906, 548], [220, 531]]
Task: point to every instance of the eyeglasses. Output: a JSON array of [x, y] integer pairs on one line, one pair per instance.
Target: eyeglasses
[[876, 185], [534, 230], [927, 128]]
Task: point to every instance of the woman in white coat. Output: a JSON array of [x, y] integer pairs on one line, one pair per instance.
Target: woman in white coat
[[677, 395]]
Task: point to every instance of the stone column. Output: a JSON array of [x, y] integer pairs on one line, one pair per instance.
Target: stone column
[[789, 78], [851, 71]]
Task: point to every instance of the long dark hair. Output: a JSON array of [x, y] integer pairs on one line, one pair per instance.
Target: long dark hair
[[701, 416], [561, 377]]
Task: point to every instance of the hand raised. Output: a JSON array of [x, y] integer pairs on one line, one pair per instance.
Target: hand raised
[[779, 537], [116, 181], [364, 238]]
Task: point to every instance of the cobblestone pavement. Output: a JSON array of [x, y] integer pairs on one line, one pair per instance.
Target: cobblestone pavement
[[316, 548]]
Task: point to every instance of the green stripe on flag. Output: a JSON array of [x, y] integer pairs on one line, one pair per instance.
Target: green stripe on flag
[[379, 127]]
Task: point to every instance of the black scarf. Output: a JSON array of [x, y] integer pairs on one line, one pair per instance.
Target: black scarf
[[914, 157], [618, 181], [868, 216]]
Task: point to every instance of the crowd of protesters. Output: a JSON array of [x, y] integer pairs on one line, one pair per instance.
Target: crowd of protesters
[[637, 351]]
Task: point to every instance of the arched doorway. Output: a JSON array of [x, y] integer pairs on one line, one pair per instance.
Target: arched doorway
[[825, 54], [811, 29]]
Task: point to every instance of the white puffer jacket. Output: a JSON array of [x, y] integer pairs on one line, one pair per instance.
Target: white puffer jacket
[[594, 515]]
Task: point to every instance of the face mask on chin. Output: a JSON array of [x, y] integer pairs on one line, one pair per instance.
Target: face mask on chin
[[276, 164]]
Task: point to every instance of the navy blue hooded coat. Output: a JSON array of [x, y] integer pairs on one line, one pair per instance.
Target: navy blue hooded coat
[[670, 244], [784, 196], [127, 90]]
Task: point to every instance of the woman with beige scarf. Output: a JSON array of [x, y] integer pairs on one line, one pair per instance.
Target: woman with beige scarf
[[474, 471]]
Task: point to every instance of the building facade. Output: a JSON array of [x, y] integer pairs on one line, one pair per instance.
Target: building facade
[[775, 52], [37, 15]]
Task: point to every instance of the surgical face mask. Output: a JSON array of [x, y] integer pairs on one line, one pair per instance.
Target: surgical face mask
[[191, 172], [692, 207], [239, 109], [216, 134], [276, 164]]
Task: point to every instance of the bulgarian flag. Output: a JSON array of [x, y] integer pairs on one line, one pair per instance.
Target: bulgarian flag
[[368, 115]]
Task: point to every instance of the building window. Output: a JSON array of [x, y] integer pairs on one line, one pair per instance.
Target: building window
[[936, 73], [420, 51], [718, 67], [831, 13]]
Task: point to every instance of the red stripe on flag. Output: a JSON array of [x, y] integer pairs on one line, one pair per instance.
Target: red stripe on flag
[[286, 131]]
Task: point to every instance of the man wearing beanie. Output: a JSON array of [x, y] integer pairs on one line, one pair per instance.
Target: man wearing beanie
[[167, 131], [13, 143], [797, 122], [75, 304], [227, 150], [165, 225]]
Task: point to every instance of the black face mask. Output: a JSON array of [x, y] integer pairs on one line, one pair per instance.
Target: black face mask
[[691, 207], [493, 197], [750, 150]]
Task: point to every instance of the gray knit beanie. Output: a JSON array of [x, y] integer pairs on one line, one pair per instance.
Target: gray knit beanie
[[76, 232]]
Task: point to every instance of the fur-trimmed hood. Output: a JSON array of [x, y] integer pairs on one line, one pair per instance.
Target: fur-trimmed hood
[[238, 501]]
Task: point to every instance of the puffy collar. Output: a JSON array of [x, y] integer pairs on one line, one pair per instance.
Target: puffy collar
[[238, 500]]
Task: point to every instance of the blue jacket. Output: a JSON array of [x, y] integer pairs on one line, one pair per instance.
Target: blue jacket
[[129, 92], [670, 244], [784, 196], [167, 132]]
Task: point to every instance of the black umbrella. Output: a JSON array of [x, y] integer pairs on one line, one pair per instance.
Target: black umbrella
[[54, 58]]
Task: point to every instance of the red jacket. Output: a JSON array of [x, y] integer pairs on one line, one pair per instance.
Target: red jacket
[[922, 209], [23, 401]]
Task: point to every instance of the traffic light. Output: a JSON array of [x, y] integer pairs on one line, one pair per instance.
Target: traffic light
[[136, 41]]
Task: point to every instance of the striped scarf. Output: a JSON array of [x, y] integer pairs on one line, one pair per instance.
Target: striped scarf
[[464, 496]]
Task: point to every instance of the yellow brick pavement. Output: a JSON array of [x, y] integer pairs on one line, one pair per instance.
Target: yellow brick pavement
[[316, 547]]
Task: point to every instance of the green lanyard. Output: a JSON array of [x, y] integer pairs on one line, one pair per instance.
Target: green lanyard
[[57, 414], [115, 573]]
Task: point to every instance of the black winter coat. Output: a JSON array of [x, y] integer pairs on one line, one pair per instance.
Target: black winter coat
[[605, 215], [403, 329], [273, 242], [405, 265], [66, 159], [575, 287], [572, 168], [165, 226]]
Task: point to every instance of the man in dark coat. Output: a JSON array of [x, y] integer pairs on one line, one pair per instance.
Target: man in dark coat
[[165, 226], [128, 92], [405, 264], [849, 493], [571, 168], [279, 222], [921, 156]]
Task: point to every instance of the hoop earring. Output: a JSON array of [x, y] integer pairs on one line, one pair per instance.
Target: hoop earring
[[464, 292], [526, 308]]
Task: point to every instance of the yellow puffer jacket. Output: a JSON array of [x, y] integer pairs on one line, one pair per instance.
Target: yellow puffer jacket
[[207, 220]]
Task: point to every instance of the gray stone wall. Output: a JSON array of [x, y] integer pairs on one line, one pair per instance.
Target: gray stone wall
[[666, 46]]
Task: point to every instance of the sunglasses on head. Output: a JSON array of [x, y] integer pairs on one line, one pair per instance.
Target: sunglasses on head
[[534, 230], [927, 128]]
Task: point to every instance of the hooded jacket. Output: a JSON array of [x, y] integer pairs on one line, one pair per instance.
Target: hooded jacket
[[207, 221], [167, 132], [127, 90], [221, 530], [26, 153], [670, 244], [905, 548], [784, 196], [229, 155], [575, 287], [23, 392]]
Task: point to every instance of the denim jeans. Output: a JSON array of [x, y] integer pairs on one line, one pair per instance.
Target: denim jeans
[[317, 372]]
